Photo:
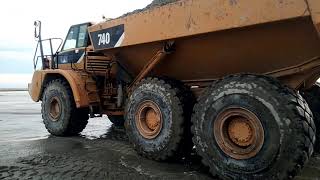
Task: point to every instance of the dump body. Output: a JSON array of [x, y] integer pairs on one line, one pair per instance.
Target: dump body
[[217, 38]]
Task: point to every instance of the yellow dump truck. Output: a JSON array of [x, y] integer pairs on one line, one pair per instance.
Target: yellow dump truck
[[234, 78]]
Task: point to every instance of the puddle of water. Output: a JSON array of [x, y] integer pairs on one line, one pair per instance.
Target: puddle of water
[[96, 128]]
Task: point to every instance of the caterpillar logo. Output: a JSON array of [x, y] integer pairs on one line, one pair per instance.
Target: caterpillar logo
[[108, 38]]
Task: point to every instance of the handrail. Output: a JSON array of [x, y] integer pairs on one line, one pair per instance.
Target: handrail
[[36, 58]]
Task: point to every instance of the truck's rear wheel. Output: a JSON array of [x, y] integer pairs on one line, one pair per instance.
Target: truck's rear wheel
[[59, 112], [312, 96], [156, 119], [251, 127], [117, 120]]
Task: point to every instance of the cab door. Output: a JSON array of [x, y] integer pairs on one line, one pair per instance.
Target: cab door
[[74, 46]]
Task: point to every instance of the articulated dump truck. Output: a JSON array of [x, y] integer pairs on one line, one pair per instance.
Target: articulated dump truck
[[234, 79]]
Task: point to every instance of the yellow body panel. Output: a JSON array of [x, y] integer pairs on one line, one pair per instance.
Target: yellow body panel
[[74, 79], [314, 8]]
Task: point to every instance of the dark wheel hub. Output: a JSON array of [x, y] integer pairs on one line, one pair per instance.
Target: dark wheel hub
[[239, 133], [149, 119], [55, 109]]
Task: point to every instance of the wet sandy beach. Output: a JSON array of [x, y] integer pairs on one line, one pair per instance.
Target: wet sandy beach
[[27, 151]]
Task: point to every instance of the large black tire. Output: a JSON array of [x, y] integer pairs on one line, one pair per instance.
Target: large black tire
[[117, 120], [171, 98], [312, 96], [70, 120], [289, 131]]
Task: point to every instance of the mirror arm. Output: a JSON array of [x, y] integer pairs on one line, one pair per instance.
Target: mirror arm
[[37, 25]]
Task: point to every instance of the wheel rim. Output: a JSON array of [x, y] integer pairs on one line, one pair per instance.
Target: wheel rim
[[239, 133], [148, 119], [55, 109]]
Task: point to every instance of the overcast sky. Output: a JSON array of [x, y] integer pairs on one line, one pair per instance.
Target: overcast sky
[[17, 44]]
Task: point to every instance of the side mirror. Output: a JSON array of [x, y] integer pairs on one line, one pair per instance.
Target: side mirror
[[37, 29]]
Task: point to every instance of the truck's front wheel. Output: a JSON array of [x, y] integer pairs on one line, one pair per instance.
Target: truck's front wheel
[[252, 127], [59, 113]]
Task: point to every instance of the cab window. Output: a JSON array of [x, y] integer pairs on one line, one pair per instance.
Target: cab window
[[82, 36], [71, 40], [76, 38]]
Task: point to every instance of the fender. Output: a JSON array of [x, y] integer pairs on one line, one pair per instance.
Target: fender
[[75, 80]]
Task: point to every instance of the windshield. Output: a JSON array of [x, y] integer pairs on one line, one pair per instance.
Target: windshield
[[77, 37]]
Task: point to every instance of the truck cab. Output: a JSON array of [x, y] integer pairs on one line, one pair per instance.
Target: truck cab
[[77, 40], [68, 52], [68, 63]]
